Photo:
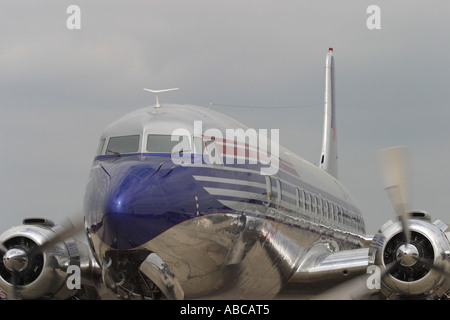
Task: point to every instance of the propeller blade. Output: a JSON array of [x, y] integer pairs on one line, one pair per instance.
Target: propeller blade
[[3, 249], [352, 289], [68, 229], [396, 173], [432, 266], [14, 279]]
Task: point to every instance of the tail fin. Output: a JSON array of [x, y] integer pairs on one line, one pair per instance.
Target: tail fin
[[329, 157]]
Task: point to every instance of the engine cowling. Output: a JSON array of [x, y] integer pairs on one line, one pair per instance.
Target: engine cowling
[[43, 275], [421, 264]]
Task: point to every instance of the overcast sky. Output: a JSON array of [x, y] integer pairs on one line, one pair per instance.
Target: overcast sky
[[59, 88]]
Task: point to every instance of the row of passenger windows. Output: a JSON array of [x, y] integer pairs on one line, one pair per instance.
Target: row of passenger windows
[[311, 203]]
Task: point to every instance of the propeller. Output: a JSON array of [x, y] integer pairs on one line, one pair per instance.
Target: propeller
[[17, 258], [395, 168]]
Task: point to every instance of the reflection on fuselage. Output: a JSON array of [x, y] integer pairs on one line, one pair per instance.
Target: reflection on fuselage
[[220, 228]]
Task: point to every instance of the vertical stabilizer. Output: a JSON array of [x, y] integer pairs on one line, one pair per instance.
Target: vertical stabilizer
[[329, 156]]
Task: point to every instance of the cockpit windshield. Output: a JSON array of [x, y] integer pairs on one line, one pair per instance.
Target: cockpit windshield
[[163, 143], [123, 144], [157, 143]]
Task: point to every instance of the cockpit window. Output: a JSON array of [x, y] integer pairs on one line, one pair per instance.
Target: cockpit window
[[100, 146], [124, 144], [163, 143]]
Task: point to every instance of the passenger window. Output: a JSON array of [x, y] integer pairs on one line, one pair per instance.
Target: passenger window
[[314, 204], [124, 144], [268, 188], [162, 143], [302, 199], [339, 215], [325, 209], [279, 190], [308, 202]]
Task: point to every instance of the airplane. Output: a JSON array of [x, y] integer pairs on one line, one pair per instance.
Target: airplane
[[174, 209]]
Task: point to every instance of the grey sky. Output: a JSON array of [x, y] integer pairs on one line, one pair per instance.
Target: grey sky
[[60, 88]]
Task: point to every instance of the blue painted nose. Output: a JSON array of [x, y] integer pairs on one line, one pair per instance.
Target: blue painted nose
[[127, 212], [135, 211], [128, 203]]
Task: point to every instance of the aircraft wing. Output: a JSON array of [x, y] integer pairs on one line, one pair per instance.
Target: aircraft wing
[[331, 266], [321, 271]]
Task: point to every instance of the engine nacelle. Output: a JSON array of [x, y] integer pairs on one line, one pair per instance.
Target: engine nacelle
[[44, 275], [413, 278]]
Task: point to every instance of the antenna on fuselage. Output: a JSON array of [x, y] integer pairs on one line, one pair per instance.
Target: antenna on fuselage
[[156, 92]]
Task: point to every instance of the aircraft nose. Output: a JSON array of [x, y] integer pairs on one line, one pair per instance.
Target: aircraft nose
[[128, 215], [127, 203]]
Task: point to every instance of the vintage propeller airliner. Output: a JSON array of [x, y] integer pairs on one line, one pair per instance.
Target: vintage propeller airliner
[[167, 215]]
